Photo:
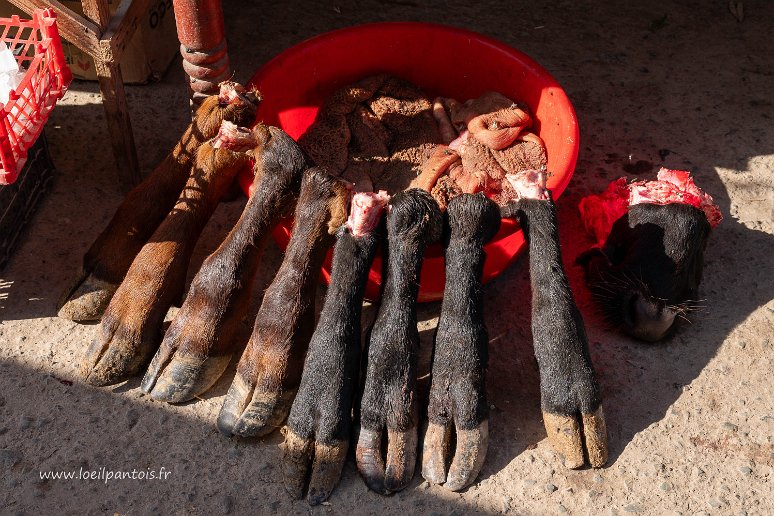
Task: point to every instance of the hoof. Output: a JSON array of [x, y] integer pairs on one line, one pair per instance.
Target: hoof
[[394, 473], [250, 411], [300, 455], [114, 360], [176, 378], [578, 439], [87, 299], [467, 460]]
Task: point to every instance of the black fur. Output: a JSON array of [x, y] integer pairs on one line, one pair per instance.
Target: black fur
[[568, 385], [323, 405], [414, 220], [650, 267], [460, 356]]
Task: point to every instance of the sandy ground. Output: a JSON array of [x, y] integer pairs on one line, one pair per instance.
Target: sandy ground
[[691, 420]]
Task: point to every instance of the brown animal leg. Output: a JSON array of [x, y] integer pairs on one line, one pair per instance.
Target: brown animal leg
[[269, 371], [144, 208], [131, 325], [199, 344]]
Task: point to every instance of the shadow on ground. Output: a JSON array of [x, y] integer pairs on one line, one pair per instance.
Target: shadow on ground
[[683, 84]]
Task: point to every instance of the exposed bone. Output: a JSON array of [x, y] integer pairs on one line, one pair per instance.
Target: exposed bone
[[199, 343], [269, 371]]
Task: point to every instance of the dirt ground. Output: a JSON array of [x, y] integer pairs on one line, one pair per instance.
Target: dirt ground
[[691, 420]]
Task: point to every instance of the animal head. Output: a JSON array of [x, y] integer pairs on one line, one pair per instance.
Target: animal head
[[646, 275], [233, 104]]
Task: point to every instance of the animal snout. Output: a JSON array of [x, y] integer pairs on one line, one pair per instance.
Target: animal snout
[[646, 318]]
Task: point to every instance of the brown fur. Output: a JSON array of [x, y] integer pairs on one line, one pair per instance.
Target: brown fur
[[269, 371], [199, 343], [110, 256], [130, 328]]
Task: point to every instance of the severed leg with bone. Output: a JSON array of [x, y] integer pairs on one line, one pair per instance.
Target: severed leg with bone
[[199, 343], [458, 389], [319, 425], [130, 329], [110, 256], [389, 406], [570, 397]]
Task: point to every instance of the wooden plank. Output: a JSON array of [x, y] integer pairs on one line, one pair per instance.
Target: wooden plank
[[123, 25], [97, 11], [119, 126], [73, 27]]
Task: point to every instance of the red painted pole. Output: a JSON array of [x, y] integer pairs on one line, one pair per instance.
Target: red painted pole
[[202, 44]]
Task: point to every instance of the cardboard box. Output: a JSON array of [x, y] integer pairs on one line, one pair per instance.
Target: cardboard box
[[148, 54]]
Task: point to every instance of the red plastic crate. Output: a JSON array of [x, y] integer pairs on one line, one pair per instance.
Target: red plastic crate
[[38, 49]]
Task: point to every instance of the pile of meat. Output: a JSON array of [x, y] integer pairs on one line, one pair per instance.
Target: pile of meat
[[383, 133]]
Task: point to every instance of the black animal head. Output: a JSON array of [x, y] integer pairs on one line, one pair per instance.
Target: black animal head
[[647, 274]]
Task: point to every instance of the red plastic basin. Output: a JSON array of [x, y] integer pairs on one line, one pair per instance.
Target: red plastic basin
[[442, 61]]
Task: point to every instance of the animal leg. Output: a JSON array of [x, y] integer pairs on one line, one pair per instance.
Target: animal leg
[[131, 326], [110, 256], [458, 388], [388, 407], [199, 343], [570, 395], [269, 372], [319, 425]]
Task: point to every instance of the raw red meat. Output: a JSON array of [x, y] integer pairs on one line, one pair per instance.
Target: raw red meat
[[599, 212]]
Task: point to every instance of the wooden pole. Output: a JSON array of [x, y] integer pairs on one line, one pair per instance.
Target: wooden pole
[[202, 38], [111, 86]]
